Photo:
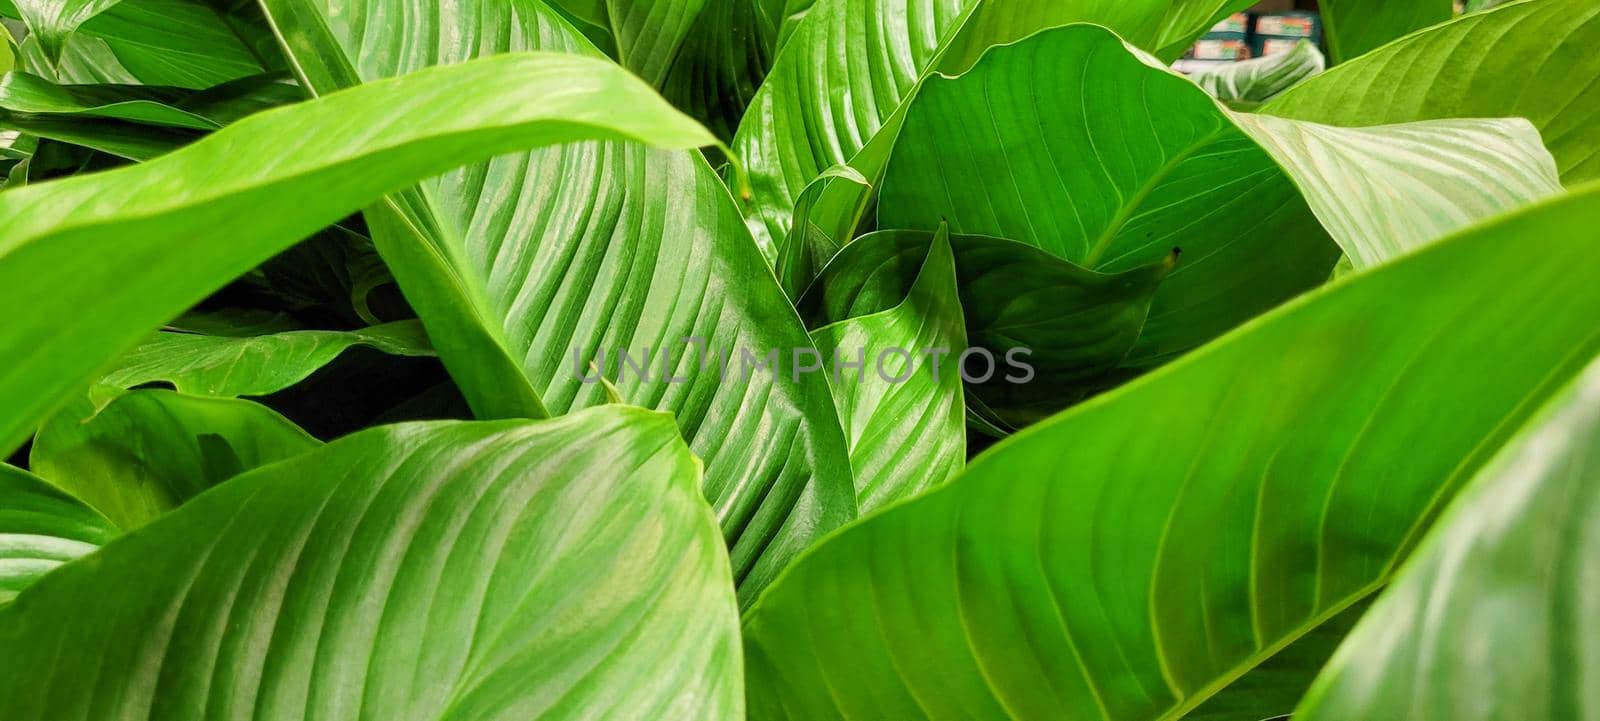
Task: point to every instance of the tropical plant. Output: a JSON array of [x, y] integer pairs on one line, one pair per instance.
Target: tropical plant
[[796, 359]]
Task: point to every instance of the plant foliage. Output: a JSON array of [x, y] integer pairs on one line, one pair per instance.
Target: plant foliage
[[796, 359]]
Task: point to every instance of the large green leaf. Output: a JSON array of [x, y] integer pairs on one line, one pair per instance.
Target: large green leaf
[[1493, 617], [1356, 27], [565, 569], [548, 261], [165, 234], [850, 65], [40, 529], [1461, 70], [1131, 558], [901, 403], [1115, 165], [148, 452], [252, 365]]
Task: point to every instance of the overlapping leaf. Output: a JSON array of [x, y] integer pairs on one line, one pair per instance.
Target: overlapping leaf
[[527, 268], [147, 452], [1460, 70], [183, 43], [165, 234], [901, 402], [1069, 326], [565, 569], [1493, 616], [51, 21], [1118, 163], [1129, 559], [137, 122]]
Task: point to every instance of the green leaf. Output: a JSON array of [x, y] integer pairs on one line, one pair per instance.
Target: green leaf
[[565, 569], [24, 93], [184, 43], [1356, 27], [258, 365], [820, 230], [137, 122], [1133, 557], [851, 65], [1076, 325], [707, 56], [901, 406], [148, 452], [165, 234], [53, 20], [1118, 163], [1491, 617], [1245, 83], [1461, 70], [527, 268], [40, 529]]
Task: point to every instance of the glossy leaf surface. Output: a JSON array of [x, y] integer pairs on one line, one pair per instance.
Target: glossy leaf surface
[[565, 569], [167, 233], [527, 268], [1131, 558], [1492, 618]]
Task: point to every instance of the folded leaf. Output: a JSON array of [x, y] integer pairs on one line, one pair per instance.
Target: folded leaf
[[1464, 69], [148, 452], [1118, 163], [1248, 82], [528, 268], [846, 71], [1132, 557], [165, 234], [1071, 326], [1356, 27], [40, 529], [565, 569], [901, 404], [255, 365], [1492, 616]]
